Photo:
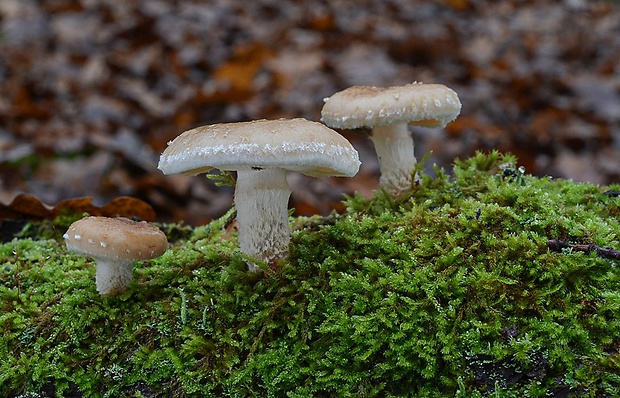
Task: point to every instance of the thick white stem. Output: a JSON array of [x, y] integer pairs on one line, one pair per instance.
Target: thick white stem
[[113, 277], [261, 199], [394, 147]]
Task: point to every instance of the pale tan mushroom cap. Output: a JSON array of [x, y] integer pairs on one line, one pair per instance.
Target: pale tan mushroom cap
[[116, 239], [429, 105], [292, 144]]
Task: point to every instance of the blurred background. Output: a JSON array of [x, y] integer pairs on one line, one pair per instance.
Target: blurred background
[[92, 90]]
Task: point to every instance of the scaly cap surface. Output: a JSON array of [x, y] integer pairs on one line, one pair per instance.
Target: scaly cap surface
[[292, 144], [429, 105]]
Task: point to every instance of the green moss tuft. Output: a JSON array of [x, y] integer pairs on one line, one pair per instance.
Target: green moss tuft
[[450, 290]]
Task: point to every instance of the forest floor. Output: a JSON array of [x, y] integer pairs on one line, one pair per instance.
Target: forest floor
[[92, 90]]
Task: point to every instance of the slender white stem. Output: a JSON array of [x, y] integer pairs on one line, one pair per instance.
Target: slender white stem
[[113, 277], [261, 199], [394, 147]]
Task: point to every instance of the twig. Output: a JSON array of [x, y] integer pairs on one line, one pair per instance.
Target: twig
[[558, 245]]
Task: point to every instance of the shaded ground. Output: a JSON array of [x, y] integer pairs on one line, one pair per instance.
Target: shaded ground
[[91, 90]]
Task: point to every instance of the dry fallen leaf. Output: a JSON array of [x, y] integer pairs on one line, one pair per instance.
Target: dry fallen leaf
[[29, 207], [236, 76]]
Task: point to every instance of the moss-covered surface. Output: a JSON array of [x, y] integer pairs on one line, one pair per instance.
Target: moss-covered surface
[[452, 291]]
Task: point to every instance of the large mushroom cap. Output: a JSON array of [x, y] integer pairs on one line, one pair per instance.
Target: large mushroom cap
[[291, 144], [429, 105], [116, 239]]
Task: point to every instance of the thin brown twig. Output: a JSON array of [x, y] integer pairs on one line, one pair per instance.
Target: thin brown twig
[[604, 252]]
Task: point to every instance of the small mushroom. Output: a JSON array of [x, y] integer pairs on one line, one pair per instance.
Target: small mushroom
[[387, 111], [262, 152], [115, 244]]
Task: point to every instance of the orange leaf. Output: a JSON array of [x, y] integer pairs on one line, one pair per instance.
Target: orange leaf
[[237, 75]]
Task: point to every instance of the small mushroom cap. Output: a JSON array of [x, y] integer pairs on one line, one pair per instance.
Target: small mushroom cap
[[297, 145], [116, 239], [429, 105]]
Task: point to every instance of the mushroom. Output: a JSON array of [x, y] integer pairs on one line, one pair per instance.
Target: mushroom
[[387, 111], [262, 152], [115, 244]]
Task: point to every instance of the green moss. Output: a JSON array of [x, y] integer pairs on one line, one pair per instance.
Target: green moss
[[450, 290]]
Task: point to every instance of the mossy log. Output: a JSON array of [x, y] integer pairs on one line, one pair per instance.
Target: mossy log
[[450, 290]]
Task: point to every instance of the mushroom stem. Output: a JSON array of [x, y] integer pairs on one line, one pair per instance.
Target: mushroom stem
[[113, 277], [261, 199], [394, 146]]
